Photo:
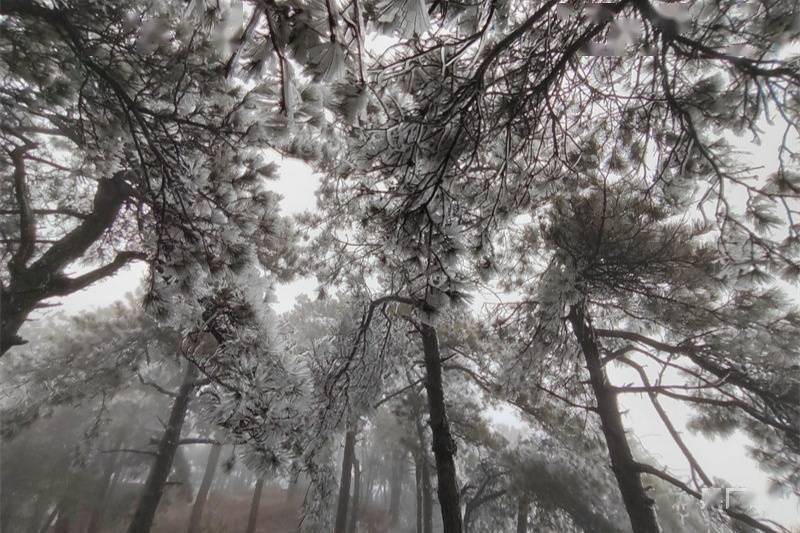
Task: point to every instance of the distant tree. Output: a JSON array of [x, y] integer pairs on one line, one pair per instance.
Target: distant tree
[[254, 506], [205, 486], [343, 502]]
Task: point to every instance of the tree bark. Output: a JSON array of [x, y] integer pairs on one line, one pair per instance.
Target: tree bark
[[640, 507], [396, 487], [157, 477], [101, 497], [354, 508], [418, 489], [444, 447], [205, 486], [254, 506], [523, 510], [426, 494], [344, 485], [62, 521], [44, 278], [50, 517]]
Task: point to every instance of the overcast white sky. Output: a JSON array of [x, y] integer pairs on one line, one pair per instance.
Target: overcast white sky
[[726, 459]]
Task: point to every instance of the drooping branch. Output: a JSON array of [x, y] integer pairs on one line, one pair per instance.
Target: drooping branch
[[672, 480], [668, 423], [699, 356], [155, 386]]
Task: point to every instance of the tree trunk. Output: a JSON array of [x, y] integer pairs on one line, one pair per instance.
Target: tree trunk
[[256, 503], [418, 490], [50, 517], [444, 448], [396, 487], [344, 485], [523, 510], [101, 497], [205, 486], [354, 508], [638, 504], [157, 477], [30, 284], [62, 521], [426, 494], [370, 482]]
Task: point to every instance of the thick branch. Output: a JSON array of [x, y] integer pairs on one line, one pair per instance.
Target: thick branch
[[27, 222], [64, 212], [66, 286], [155, 386], [108, 200]]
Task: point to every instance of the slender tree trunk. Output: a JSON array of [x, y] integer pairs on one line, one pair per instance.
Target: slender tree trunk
[[354, 508], [426, 494], [157, 477], [101, 497], [50, 518], [205, 486], [523, 510], [418, 489], [344, 485], [62, 521], [396, 487], [639, 505], [293, 489], [444, 448], [182, 473], [254, 506]]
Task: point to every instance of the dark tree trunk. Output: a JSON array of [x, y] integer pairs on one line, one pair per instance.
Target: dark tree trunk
[[481, 498], [62, 521], [354, 508], [369, 483], [101, 497], [30, 284], [157, 477], [396, 487], [523, 510], [444, 447], [294, 490], [254, 505], [205, 486], [418, 490], [426, 494], [50, 517], [344, 485], [182, 474], [639, 505]]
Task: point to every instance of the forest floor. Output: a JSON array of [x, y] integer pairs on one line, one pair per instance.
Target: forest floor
[[279, 512]]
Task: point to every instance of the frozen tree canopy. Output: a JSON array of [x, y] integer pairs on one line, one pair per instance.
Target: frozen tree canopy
[[531, 215]]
